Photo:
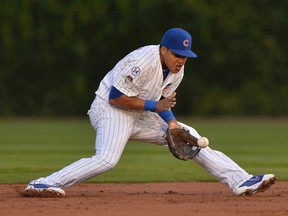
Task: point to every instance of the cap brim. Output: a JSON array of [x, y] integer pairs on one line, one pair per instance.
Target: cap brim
[[186, 53]]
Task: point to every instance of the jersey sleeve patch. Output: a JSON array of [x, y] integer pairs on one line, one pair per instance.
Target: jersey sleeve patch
[[136, 71]]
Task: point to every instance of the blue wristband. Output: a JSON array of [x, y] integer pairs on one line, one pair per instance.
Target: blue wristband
[[150, 105], [167, 115]]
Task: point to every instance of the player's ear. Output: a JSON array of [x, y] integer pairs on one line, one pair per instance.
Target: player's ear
[[163, 50], [166, 49]]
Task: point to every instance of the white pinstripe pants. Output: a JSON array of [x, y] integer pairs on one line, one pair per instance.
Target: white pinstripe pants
[[115, 127]]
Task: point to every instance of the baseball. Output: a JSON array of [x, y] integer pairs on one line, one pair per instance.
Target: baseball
[[203, 142]]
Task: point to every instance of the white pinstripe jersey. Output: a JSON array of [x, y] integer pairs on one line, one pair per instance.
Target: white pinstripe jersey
[[140, 74]]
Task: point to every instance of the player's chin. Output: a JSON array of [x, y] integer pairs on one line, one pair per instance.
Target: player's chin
[[176, 69]]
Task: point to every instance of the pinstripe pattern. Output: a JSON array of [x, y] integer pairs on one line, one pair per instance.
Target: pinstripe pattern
[[137, 74], [148, 84], [219, 165], [113, 131]]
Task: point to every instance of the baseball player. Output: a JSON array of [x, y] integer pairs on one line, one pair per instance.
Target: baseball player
[[134, 102]]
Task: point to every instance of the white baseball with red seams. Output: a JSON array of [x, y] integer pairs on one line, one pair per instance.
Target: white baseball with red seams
[[203, 142]]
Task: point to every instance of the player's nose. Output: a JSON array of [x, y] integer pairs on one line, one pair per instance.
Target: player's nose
[[182, 60]]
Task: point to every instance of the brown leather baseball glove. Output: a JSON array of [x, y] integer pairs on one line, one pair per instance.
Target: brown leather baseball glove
[[182, 144]]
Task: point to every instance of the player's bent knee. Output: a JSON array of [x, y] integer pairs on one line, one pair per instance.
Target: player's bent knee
[[107, 160]]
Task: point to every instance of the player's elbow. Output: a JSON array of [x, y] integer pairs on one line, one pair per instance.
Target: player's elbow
[[119, 101], [113, 101]]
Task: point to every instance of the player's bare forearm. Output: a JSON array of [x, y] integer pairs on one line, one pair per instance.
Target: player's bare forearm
[[128, 102], [138, 104]]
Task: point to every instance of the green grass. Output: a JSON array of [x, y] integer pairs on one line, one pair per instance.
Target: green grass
[[31, 148]]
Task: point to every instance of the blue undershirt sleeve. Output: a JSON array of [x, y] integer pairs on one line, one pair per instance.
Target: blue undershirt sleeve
[[167, 115], [114, 93]]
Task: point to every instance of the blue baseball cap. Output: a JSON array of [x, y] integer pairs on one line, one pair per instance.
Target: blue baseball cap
[[179, 42]]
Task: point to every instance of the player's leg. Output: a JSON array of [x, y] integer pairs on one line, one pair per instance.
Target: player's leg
[[150, 128], [230, 173], [113, 130], [219, 164], [215, 162]]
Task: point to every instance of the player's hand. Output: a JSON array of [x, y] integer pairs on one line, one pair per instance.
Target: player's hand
[[173, 124], [166, 103]]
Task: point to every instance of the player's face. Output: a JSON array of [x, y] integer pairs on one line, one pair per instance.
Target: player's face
[[171, 60]]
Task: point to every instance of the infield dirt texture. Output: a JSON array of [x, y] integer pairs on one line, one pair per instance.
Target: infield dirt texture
[[34, 148], [197, 199]]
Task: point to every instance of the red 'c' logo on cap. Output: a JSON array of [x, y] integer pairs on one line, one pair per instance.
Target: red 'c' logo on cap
[[186, 43]]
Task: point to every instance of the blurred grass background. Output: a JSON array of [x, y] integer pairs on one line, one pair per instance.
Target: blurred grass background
[[31, 148], [55, 53]]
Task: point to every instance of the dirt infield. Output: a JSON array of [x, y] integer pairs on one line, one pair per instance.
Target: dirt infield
[[197, 199]]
